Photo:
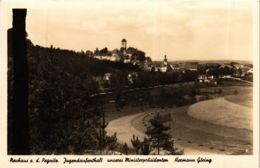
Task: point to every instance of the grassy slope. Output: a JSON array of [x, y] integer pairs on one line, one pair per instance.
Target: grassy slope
[[222, 112], [236, 112], [244, 100]]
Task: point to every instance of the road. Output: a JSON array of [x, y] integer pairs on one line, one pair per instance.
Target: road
[[139, 89]]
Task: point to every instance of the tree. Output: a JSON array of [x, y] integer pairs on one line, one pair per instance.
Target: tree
[[142, 147], [136, 144], [104, 141], [189, 75], [111, 142], [136, 54], [96, 52], [118, 83], [57, 105], [89, 53], [102, 124], [158, 134], [103, 51], [146, 147], [125, 149]]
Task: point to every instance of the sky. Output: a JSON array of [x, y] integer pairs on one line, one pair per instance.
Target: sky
[[180, 29]]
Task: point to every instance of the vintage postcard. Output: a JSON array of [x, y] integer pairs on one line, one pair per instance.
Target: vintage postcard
[[149, 83]]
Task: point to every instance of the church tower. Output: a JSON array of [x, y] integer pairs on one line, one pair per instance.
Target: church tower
[[123, 43], [165, 61]]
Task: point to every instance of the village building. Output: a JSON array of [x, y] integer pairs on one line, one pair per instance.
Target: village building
[[127, 60], [107, 76], [113, 57], [237, 65], [207, 79], [250, 71], [242, 70], [175, 67], [226, 66], [132, 77], [165, 66]]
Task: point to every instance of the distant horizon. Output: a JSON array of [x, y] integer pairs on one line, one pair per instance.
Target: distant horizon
[[169, 60], [201, 29]]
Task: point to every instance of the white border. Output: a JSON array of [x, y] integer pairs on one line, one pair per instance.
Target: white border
[[251, 161]]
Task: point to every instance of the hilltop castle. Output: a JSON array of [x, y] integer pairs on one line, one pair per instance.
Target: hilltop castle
[[124, 43]]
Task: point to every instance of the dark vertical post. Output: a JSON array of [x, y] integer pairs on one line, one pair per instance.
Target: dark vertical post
[[20, 102], [10, 89]]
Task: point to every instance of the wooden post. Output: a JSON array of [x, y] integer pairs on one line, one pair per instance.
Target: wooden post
[[20, 125]]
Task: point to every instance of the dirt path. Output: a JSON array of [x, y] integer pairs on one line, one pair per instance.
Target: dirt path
[[124, 129]]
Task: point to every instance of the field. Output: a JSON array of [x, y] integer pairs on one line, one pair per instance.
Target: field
[[221, 125]]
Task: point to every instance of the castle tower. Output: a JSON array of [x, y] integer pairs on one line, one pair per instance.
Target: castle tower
[[123, 43]]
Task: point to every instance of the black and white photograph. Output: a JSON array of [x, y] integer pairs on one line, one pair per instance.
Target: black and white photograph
[[143, 78]]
